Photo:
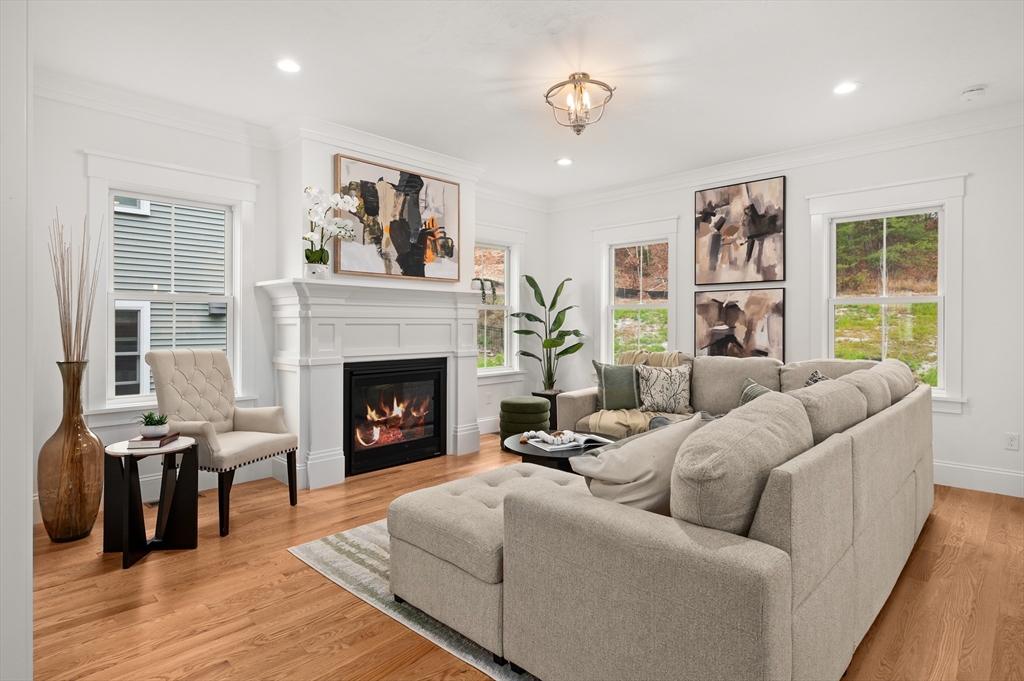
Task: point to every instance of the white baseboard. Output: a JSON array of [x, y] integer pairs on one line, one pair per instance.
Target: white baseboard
[[981, 478], [489, 424]]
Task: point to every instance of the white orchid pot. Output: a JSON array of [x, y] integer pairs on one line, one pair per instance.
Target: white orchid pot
[[317, 271], [154, 431]]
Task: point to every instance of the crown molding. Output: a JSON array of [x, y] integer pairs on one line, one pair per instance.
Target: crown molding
[[63, 88], [511, 197], [373, 147], [961, 125]]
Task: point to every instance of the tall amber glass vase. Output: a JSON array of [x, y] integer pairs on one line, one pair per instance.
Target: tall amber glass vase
[[71, 467]]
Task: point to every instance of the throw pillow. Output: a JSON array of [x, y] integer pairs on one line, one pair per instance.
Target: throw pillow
[[637, 471], [815, 377], [665, 389], [752, 390], [617, 386]]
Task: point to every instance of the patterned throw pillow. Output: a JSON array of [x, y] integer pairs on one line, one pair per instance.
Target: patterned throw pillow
[[751, 391], [617, 386], [815, 377], [708, 417], [665, 389]]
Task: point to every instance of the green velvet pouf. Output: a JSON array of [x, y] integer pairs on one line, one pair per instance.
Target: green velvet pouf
[[525, 404], [522, 413]]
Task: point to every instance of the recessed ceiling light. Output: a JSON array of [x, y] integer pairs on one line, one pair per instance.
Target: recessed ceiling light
[[564, 161], [288, 65], [846, 88]]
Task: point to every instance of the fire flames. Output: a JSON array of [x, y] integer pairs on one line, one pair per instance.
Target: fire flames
[[389, 424]]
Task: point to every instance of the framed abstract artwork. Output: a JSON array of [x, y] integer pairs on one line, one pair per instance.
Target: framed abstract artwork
[[740, 323], [406, 225], [741, 232]]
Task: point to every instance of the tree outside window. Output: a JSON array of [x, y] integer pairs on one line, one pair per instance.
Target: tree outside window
[[490, 278], [640, 297]]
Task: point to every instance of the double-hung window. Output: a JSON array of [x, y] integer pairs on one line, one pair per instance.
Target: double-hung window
[[491, 266], [171, 284], [640, 297], [885, 299]]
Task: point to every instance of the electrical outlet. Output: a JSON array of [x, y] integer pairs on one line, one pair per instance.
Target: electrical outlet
[[487, 398], [1013, 442]]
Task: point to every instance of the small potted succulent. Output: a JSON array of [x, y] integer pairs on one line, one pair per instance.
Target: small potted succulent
[[153, 424]]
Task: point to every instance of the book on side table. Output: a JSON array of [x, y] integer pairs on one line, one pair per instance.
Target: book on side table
[[561, 440], [152, 442]]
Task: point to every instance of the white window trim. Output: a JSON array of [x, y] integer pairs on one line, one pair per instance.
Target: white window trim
[[944, 193], [142, 306], [514, 241], [135, 176], [657, 230]]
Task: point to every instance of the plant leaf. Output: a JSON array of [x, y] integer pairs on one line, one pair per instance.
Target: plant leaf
[[569, 350], [560, 318], [558, 292], [527, 332], [536, 290], [565, 333], [524, 353], [555, 342], [529, 316]]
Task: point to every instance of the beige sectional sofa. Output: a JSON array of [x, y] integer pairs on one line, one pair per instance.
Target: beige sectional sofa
[[590, 589]]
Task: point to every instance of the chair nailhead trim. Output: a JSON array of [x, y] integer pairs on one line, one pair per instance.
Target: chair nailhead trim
[[262, 458]]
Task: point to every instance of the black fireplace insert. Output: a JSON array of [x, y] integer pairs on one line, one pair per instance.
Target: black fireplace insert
[[395, 412]]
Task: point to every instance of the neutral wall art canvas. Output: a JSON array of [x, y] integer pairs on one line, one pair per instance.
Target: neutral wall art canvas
[[741, 232], [745, 323], [407, 224]]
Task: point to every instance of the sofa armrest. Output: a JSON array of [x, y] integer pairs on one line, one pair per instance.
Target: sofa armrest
[[594, 589], [260, 419], [574, 405], [205, 435]]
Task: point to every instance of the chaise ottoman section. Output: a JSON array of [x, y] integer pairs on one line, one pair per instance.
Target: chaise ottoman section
[[447, 544]]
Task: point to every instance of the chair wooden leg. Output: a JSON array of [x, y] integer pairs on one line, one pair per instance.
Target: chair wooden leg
[[224, 481], [293, 491]]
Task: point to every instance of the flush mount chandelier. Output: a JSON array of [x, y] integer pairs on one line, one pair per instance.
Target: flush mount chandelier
[[579, 109]]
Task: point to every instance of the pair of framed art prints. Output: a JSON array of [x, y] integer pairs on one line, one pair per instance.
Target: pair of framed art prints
[[740, 238]]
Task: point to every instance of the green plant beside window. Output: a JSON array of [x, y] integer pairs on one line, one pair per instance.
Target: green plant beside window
[[554, 337]]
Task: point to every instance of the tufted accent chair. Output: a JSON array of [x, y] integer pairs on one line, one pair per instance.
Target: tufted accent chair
[[195, 391]]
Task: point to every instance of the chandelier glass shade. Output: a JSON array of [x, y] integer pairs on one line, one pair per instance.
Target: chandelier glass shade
[[578, 101]]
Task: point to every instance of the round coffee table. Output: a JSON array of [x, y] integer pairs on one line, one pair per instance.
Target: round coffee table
[[559, 459]]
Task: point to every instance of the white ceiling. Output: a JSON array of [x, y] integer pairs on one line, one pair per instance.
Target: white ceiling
[[698, 83]]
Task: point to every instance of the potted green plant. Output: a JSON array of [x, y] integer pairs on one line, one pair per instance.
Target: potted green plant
[[153, 424], [552, 337]]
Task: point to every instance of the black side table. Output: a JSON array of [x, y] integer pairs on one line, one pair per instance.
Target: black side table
[[536, 455], [177, 523]]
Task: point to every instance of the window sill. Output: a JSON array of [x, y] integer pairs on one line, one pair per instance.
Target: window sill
[[508, 376], [945, 404], [124, 414]]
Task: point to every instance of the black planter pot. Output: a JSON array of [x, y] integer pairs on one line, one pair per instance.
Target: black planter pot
[[552, 397]]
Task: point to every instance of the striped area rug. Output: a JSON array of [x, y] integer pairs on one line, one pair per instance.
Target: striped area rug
[[357, 560]]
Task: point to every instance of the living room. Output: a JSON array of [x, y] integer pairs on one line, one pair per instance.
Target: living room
[[249, 151]]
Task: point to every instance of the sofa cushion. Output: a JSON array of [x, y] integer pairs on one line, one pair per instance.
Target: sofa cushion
[[832, 407], [669, 358], [462, 521], [722, 469], [751, 391], [717, 382], [239, 447], [636, 471], [618, 386], [873, 386], [899, 377], [794, 375], [665, 389]]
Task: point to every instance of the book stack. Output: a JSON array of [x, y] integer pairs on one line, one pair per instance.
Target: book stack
[[152, 442]]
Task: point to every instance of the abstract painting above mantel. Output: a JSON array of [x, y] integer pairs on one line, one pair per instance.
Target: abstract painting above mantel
[[407, 225], [741, 232], [740, 323]]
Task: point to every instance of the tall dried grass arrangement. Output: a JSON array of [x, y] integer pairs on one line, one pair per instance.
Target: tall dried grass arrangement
[[75, 286]]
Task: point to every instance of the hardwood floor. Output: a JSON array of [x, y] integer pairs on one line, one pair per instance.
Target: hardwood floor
[[242, 607]]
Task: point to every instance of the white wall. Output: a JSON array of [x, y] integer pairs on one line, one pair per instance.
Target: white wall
[[16, 348], [989, 146], [504, 218], [71, 117]]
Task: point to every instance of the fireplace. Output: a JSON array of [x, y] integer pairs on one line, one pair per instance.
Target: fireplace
[[394, 412]]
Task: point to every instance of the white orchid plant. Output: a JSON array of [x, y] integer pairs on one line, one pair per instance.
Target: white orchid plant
[[323, 225]]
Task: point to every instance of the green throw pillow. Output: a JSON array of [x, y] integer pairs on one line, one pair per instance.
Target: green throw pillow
[[751, 391], [617, 386]]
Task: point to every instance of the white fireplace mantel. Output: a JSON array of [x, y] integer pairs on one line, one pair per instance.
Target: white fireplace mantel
[[319, 325]]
